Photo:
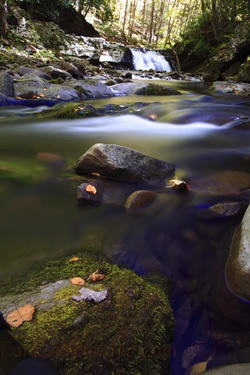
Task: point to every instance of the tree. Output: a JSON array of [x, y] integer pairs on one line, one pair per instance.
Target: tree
[[3, 24]]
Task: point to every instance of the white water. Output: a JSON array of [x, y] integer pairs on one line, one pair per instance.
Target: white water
[[150, 60]]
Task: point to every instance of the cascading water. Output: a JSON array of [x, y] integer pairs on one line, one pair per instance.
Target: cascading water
[[145, 60]]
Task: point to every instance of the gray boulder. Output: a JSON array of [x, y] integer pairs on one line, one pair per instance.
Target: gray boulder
[[238, 368], [238, 263], [6, 84], [122, 164]]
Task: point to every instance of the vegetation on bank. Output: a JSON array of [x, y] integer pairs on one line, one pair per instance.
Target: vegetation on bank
[[128, 332]]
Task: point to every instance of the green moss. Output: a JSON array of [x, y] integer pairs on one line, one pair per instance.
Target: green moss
[[152, 89], [128, 333], [68, 110]]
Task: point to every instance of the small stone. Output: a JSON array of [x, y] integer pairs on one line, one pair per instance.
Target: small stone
[[90, 192], [140, 199]]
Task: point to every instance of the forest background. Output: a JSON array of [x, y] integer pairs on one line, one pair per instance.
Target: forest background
[[198, 25]]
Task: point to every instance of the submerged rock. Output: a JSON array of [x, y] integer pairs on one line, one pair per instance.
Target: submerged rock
[[122, 164], [238, 264], [140, 199]]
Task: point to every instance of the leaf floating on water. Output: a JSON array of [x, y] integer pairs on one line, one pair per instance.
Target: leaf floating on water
[[74, 259], [90, 189], [23, 314], [95, 276], [91, 295], [77, 281]]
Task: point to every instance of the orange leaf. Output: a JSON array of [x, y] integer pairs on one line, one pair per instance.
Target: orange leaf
[[90, 189], [74, 259], [23, 314], [95, 276], [77, 281]]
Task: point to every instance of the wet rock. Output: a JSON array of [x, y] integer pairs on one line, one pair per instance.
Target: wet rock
[[242, 126], [44, 89], [24, 70], [225, 184], [93, 88], [140, 199], [152, 89], [227, 209], [6, 84], [244, 72], [58, 73], [122, 164], [221, 87], [90, 192], [238, 263], [239, 368]]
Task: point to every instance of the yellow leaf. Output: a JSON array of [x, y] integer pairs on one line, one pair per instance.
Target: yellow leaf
[[95, 276], [23, 314], [74, 259], [198, 368], [77, 281], [90, 189]]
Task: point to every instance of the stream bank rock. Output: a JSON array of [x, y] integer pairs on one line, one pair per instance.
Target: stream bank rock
[[85, 337], [238, 264], [122, 164]]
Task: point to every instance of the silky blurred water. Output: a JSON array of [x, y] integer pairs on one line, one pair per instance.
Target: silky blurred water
[[40, 218]]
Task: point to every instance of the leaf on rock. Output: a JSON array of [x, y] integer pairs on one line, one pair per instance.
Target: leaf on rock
[[178, 185], [91, 189], [91, 295], [77, 281], [74, 259], [23, 314], [198, 368], [95, 276]]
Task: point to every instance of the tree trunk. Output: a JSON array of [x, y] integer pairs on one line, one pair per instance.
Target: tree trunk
[[3, 23]]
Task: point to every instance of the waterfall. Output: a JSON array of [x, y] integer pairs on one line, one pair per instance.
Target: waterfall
[[145, 60]]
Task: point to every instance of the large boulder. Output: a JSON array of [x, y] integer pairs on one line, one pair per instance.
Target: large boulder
[[81, 336], [122, 164], [6, 84], [238, 264]]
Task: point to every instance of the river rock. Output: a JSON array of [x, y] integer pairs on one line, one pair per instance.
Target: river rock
[[238, 263], [220, 87], [6, 84], [238, 368], [23, 70], [122, 164], [140, 199]]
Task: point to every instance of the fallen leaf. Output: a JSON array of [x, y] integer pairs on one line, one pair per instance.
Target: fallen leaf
[[90, 189], [89, 294], [23, 314], [95, 276], [74, 259], [77, 281], [179, 185], [198, 368]]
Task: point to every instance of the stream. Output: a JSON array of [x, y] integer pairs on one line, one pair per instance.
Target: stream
[[197, 132]]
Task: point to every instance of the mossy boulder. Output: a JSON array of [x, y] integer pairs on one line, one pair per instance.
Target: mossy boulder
[[129, 332], [244, 73], [152, 89], [68, 110]]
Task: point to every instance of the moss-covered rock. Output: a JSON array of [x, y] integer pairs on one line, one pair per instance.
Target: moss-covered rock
[[152, 89], [68, 110], [129, 332]]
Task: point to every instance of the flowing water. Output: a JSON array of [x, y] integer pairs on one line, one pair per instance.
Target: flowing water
[[40, 218]]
